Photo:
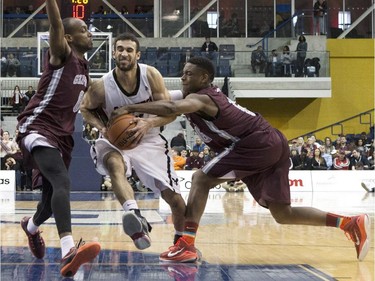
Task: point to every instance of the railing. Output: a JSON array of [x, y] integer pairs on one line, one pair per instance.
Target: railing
[[338, 127], [170, 61]]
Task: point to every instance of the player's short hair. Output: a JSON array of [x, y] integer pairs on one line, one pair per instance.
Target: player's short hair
[[127, 36], [204, 64]]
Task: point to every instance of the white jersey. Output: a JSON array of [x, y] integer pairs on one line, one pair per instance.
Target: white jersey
[[150, 159], [116, 96]]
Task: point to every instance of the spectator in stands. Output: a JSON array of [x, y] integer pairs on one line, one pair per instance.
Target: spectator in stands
[[233, 28], [356, 158], [258, 59], [364, 138], [320, 9], [18, 100], [210, 50], [318, 162], [199, 145], [327, 157], [179, 161], [223, 24], [13, 164], [184, 153], [371, 161], [30, 92], [361, 147], [341, 162], [286, 59], [178, 142], [18, 11], [4, 67], [301, 55], [344, 146], [272, 64], [304, 163], [300, 144], [8, 147], [328, 146], [13, 65], [138, 10], [207, 156], [295, 158], [98, 62], [124, 10], [194, 162], [30, 9], [90, 133]]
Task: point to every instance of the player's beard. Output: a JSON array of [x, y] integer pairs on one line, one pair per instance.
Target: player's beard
[[125, 67]]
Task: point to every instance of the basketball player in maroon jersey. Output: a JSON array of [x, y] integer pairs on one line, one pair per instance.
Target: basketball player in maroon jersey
[[248, 149], [45, 135]]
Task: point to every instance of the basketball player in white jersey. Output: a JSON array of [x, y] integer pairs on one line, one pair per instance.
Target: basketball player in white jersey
[[131, 82]]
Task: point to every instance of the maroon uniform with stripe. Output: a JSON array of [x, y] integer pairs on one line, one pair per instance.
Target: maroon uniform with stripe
[[52, 110], [249, 149]]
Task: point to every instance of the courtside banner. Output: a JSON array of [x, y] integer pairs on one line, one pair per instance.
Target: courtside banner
[[298, 181], [7, 192]]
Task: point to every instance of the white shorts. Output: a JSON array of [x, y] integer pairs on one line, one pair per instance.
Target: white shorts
[[151, 160], [34, 139]]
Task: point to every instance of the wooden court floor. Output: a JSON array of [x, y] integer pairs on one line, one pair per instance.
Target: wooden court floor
[[238, 240]]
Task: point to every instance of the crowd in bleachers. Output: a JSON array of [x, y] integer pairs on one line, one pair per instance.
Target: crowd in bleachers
[[347, 152], [350, 152]]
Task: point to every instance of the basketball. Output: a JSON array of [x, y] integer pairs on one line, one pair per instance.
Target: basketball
[[118, 133]]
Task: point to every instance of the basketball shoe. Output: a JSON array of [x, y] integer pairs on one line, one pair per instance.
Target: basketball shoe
[[358, 230], [182, 272], [77, 256], [137, 228], [180, 252], [36, 242]]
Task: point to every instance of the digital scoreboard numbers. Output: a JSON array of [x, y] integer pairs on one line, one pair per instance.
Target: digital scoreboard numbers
[[80, 9]]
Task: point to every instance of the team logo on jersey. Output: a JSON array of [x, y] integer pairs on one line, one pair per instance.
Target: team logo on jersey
[[80, 79]]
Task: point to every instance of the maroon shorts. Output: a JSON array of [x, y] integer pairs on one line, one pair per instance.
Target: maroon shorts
[[261, 161]]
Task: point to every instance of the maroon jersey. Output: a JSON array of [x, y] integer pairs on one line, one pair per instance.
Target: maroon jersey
[[52, 110], [232, 123], [249, 149]]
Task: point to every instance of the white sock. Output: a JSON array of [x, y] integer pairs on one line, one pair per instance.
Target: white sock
[[31, 227], [130, 204], [180, 233], [66, 243]]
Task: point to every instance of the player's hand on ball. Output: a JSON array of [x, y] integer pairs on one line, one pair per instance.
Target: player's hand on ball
[[138, 132]]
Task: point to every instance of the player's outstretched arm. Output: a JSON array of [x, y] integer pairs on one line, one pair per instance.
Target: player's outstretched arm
[[59, 48]]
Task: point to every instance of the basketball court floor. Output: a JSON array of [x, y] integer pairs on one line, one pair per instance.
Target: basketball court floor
[[238, 240]]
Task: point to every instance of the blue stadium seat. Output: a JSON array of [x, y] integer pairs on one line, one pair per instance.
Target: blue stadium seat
[[175, 54], [224, 71], [227, 51], [174, 69], [151, 53], [162, 66], [163, 53]]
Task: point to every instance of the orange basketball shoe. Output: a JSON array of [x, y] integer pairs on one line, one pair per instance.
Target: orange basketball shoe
[[180, 252], [78, 255], [358, 230]]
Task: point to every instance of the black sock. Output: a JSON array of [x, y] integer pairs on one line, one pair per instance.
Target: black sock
[[176, 237]]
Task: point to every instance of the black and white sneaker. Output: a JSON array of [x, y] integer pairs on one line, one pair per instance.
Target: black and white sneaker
[[137, 228]]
